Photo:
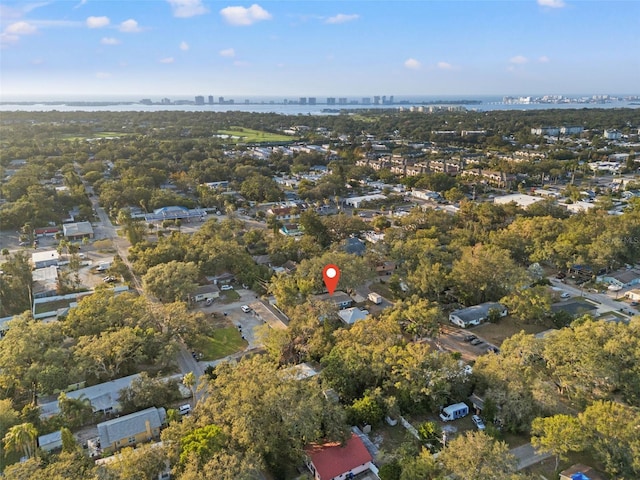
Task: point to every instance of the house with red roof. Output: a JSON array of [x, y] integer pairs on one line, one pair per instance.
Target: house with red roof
[[333, 461]]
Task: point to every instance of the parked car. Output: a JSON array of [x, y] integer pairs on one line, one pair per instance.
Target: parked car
[[565, 295], [560, 275], [493, 349], [469, 338], [224, 288], [477, 421], [476, 341], [634, 304], [109, 279], [208, 302], [184, 409], [245, 308]]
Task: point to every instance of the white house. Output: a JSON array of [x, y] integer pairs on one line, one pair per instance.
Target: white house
[[45, 258], [206, 292], [470, 316], [352, 315]]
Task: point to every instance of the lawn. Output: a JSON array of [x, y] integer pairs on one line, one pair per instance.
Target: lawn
[[229, 296], [247, 135], [222, 342]]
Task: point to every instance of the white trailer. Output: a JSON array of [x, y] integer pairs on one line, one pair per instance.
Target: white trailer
[[375, 298], [454, 411]]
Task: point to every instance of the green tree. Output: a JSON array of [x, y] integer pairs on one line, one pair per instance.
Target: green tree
[[368, 410], [69, 444], [22, 438], [202, 443], [559, 435], [478, 456], [171, 282]]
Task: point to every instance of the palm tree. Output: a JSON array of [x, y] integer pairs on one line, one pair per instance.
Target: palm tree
[[22, 438]]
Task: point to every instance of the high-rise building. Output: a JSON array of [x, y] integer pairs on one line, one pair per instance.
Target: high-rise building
[[199, 100], [221, 100], [331, 100], [391, 100], [303, 101], [366, 101], [312, 100], [376, 100], [210, 99], [384, 99], [342, 100]]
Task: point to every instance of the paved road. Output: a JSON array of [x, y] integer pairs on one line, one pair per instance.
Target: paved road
[[528, 456], [602, 300]]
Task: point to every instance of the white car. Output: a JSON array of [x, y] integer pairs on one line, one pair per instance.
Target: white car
[[477, 421], [245, 308], [224, 288], [565, 295]]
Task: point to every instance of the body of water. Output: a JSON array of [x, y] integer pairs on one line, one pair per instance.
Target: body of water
[[268, 105]]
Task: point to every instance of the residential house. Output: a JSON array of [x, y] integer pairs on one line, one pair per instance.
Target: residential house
[[580, 472], [340, 299], [286, 214], [386, 268], [126, 431], [626, 277], [466, 317], [223, 279], [206, 292], [102, 397], [46, 232], [77, 231], [50, 441], [633, 295], [45, 258], [612, 134], [352, 315], [332, 461]]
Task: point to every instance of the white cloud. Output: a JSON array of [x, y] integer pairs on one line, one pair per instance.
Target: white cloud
[[21, 28], [444, 66], [552, 3], [342, 18], [130, 26], [98, 22], [543, 59], [103, 75], [109, 41], [412, 64], [167, 60], [228, 52], [82, 2], [240, 63], [519, 60], [241, 16], [184, 46], [6, 39], [187, 8]]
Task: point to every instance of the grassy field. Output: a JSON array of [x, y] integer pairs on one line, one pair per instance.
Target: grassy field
[[73, 137], [229, 296], [247, 135], [223, 342]]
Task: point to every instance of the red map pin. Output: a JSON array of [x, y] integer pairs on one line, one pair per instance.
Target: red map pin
[[331, 275]]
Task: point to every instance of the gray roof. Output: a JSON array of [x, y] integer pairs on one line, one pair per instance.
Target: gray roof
[[130, 425], [211, 288], [102, 396], [477, 312], [80, 228], [50, 441], [337, 298]]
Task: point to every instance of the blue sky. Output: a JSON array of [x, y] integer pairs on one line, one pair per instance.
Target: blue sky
[[319, 48]]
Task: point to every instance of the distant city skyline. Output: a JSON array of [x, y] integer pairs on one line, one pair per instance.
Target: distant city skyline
[[186, 48]]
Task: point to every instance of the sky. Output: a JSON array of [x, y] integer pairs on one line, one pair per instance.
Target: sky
[[318, 48]]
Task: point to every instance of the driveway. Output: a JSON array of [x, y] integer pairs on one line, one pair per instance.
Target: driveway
[[527, 456]]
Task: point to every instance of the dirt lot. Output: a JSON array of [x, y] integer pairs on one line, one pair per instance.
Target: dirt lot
[[495, 333]]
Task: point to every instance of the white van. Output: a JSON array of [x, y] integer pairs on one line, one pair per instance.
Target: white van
[[184, 409]]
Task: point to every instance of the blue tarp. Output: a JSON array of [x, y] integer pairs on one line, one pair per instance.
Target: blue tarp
[[579, 476]]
